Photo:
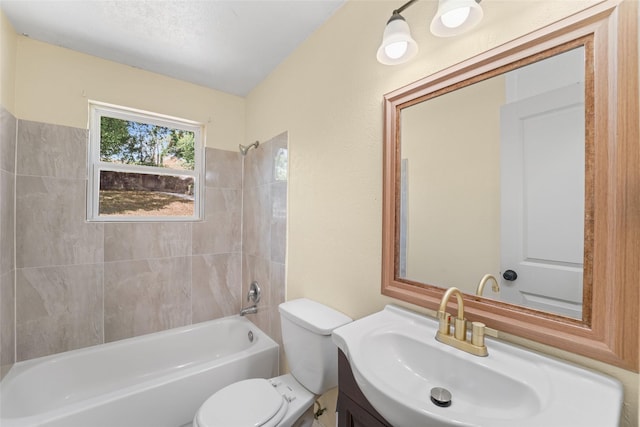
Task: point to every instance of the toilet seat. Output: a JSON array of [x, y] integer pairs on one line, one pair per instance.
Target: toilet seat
[[254, 402]]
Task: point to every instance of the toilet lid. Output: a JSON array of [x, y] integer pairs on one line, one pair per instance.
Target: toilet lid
[[253, 402]]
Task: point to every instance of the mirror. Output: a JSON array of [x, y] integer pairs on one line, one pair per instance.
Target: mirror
[[448, 219], [492, 180]]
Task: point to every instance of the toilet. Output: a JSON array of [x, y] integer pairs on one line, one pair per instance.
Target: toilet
[[287, 400]]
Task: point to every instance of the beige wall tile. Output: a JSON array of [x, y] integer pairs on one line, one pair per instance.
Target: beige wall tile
[[146, 296], [137, 240], [258, 165], [257, 269], [155, 275], [278, 226], [56, 334], [264, 231], [50, 224], [8, 128], [7, 221], [51, 150], [223, 169], [221, 230], [7, 320], [256, 223], [59, 309], [279, 157], [216, 286], [277, 296]]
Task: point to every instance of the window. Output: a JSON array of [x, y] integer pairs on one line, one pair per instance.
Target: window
[[143, 166]]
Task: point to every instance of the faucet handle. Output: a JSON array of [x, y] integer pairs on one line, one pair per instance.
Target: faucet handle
[[444, 322], [254, 293], [477, 333]]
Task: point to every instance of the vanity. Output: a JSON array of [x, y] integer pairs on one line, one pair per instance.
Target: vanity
[[354, 410], [394, 373]]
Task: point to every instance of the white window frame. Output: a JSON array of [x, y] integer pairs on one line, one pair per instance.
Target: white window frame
[[96, 111]]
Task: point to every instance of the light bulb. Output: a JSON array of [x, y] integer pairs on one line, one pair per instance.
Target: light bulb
[[396, 50], [397, 44], [456, 17]]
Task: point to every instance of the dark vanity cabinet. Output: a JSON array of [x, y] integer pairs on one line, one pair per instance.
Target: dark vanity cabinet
[[354, 410]]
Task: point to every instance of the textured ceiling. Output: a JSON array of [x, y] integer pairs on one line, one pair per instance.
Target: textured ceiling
[[228, 45]]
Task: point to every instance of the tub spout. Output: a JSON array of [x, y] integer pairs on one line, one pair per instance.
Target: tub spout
[[249, 310]]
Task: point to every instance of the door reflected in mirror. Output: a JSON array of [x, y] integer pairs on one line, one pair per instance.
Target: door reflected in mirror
[[492, 181]]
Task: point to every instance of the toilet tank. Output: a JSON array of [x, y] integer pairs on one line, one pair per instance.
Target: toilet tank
[[306, 334]]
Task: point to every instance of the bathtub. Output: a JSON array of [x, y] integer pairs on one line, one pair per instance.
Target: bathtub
[[155, 380]]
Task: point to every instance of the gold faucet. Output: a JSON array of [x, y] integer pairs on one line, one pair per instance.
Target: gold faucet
[[495, 287], [459, 338]]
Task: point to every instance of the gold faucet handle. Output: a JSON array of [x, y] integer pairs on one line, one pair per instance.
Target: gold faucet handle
[[477, 333], [444, 322]]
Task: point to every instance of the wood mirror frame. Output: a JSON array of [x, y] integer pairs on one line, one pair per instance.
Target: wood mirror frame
[[609, 329]]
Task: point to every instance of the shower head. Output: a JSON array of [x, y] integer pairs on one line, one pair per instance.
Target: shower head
[[245, 148]]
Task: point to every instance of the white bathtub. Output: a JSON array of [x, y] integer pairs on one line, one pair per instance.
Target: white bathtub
[[154, 380]]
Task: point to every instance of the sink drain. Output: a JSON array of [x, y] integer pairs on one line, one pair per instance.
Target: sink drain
[[441, 397]]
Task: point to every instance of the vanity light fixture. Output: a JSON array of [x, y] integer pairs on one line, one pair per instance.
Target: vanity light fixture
[[453, 17], [397, 44]]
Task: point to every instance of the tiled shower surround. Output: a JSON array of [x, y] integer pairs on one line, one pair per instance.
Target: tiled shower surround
[[80, 283], [8, 126]]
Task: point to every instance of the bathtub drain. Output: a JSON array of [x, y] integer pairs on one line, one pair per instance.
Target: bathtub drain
[[250, 334]]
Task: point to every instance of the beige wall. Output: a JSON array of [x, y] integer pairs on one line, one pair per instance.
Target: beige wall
[[328, 95], [452, 147], [53, 85], [7, 63]]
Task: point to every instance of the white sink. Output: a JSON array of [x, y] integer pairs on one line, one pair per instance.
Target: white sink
[[397, 361]]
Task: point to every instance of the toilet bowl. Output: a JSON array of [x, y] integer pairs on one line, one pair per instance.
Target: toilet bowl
[[287, 400], [279, 401]]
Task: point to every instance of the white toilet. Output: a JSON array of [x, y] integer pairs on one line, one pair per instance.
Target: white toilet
[[287, 400]]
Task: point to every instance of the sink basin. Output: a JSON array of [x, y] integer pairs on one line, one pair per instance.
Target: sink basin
[[397, 361]]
